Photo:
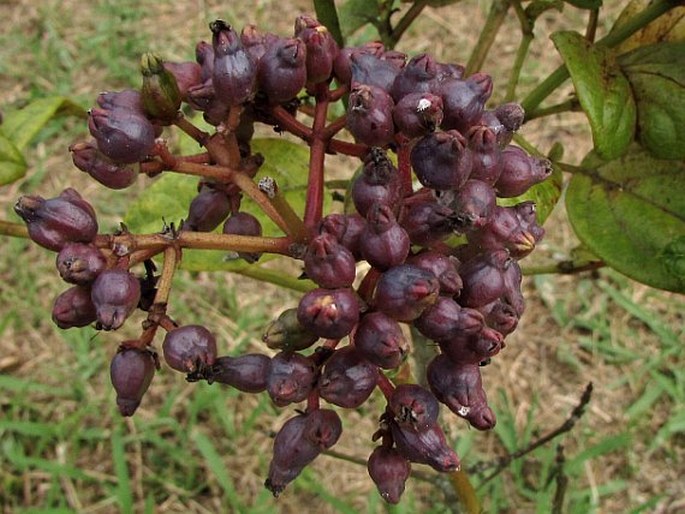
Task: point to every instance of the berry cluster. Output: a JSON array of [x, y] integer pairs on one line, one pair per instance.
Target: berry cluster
[[440, 255]]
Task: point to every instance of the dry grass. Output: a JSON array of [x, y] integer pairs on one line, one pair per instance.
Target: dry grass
[[559, 347]]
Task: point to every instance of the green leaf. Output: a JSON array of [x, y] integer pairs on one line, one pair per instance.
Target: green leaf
[[354, 14], [603, 92], [12, 162], [668, 27], [657, 75], [22, 125], [327, 13], [630, 212], [585, 4], [536, 8]]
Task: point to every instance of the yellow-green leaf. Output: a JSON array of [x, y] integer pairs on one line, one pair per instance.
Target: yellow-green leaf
[[603, 92], [22, 125], [667, 27], [12, 163], [657, 76], [630, 212]]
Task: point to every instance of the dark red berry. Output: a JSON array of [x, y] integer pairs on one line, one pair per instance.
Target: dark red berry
[[189, 347], [428, 446], [131, 372], [442, 160], [80, 263], [235, 72], [115, 294], [54, 222], [74, 308], [379, 339], [247, 373], [389, 470], [446, 318], [384, 243], [444, 267], [369, 115], [89, 159], [379, 182], [329, 263], [291, 377], [520, 171], [329, 313], [464, 101], [347, 379], [418, 114], [207, 210], [414, 407], [460, 387], [282, 70], [405, 291]]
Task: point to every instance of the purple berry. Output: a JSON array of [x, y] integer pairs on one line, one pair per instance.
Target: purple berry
[[384, 243], [290, 379], [89, 159], [347, 379], [131, 372], [441, 160], [248, 373], [328, 263], [413, 407], [520, 171], [369, 115], [74, 308], [115, 294], [54, 222], [379, 339], [329, 313], [189, 347], [405, 291], [80, 263], [389, 470]]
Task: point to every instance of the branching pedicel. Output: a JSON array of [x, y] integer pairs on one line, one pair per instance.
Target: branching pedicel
[[465, 297]]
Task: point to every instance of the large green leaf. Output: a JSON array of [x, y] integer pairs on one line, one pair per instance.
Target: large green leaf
[[630, 212], [657, 75], [12, 163], [22, 125], [603, 92]]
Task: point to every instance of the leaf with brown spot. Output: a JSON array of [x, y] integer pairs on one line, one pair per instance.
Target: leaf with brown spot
[[603, 92], [630, 212]]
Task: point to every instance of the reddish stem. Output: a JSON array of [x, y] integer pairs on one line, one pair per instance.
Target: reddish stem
[[313, 400], [313, 209], [334, 127], [345, 148], [338, 93], [404, 164], [368, 284], [288, 122], [385, 385]]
